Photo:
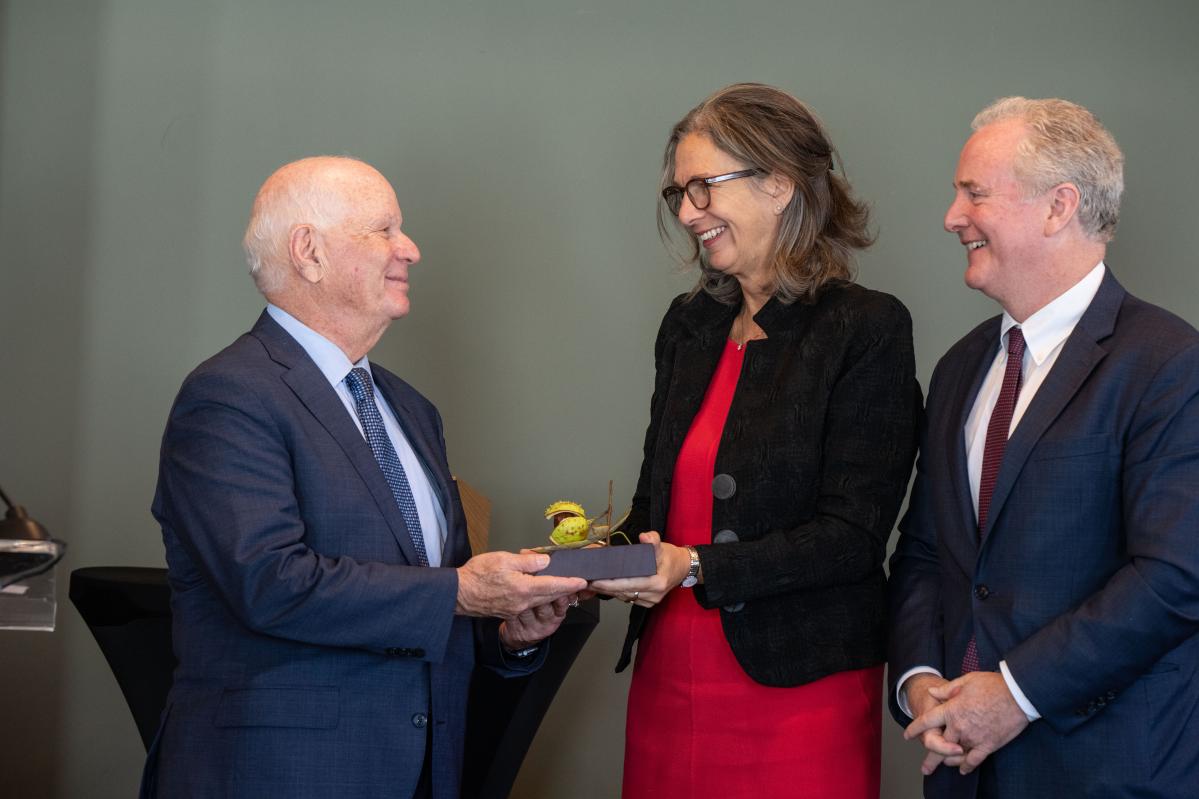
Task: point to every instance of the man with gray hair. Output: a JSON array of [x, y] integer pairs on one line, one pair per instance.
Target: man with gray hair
[[326, 611], [1045, 588]]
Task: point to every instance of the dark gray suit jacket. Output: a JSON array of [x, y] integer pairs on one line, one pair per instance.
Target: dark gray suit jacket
[[314, 659], [1087, 581]]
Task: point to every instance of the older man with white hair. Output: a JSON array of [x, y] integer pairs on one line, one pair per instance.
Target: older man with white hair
[[1045, 588], [322, 584]]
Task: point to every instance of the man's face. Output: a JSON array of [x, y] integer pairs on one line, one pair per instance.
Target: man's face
[[1004, 234], [366, 279]]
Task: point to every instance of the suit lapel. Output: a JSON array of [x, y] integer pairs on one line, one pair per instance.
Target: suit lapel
[[695, 363], [704, 325], [430, 454], [976, 361], [1079, 356], [312, 389]]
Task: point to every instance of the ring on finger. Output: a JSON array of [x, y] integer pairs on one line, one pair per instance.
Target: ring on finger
[[636, 595]]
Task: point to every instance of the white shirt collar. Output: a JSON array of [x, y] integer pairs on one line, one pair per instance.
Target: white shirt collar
[[1049, 327], [328, 357]]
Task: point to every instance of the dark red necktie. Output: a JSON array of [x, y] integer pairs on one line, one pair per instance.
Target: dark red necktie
[[997, 433]]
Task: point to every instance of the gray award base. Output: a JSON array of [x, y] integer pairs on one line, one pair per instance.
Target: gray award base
[[603, 563]]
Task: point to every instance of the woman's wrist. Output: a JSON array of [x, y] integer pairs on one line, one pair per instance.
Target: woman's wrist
[[688, 571]]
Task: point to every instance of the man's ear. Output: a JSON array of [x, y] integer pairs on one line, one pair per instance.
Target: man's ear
[[304, 252], [1063, 207]]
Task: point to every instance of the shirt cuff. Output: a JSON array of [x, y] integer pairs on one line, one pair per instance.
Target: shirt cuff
[[901, 696], [1017, 694]]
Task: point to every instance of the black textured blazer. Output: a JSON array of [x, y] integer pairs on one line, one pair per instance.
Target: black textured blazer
[[812, 468]]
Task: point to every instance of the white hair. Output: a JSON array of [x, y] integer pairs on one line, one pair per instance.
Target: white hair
[[1066, 144], [296, 193]]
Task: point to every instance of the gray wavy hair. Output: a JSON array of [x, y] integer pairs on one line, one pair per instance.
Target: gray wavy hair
[[1065, 144]]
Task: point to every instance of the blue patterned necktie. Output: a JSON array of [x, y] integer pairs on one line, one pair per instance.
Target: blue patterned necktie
[[359, 383]]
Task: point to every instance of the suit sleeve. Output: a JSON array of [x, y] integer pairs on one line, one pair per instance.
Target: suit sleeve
[[1150, 605], [869, 441], [229, 494], [916, 626]]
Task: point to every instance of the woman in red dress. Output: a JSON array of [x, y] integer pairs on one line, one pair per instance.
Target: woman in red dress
[[781, 437]]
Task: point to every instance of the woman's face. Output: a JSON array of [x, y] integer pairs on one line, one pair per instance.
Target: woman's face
[[738, 228]]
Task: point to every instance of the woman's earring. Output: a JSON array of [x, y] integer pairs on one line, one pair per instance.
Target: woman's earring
[[778, 209]]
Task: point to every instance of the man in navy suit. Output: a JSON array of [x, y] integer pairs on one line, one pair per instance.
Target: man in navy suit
[[1045, 588], [326, 611]]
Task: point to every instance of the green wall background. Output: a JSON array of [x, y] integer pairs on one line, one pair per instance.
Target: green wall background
[[524, 140]]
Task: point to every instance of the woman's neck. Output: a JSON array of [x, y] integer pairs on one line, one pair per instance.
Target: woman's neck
[[744, 327]]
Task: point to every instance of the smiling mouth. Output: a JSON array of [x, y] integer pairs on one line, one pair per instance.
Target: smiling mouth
[[974, 245], [708, 235]]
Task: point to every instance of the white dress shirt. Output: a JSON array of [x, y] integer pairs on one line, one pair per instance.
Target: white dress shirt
[[336, 366], [1045, 333]]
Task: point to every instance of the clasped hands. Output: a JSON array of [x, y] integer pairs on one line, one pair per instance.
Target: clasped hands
[[505, 586], [963, 721]]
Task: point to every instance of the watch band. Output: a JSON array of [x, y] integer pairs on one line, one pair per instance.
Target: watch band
[[693, 572], [528, 651]]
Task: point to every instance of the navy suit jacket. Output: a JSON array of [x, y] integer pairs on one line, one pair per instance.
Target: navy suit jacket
[[1087, 580], [315, 658]]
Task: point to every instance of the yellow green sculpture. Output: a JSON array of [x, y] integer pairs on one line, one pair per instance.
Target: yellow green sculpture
[[572, 528]]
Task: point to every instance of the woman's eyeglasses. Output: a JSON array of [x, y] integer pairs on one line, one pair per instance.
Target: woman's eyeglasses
[[697, 190]]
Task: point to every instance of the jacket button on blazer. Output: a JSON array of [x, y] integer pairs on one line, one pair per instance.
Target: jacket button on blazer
[[419, 720], [982, 592], [723, 486]]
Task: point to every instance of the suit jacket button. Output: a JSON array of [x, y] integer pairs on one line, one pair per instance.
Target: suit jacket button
[[725, 537], [419, 720], [982, 592], [724, 486]]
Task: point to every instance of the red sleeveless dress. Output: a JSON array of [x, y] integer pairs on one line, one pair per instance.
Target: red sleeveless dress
[[697, 725]]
